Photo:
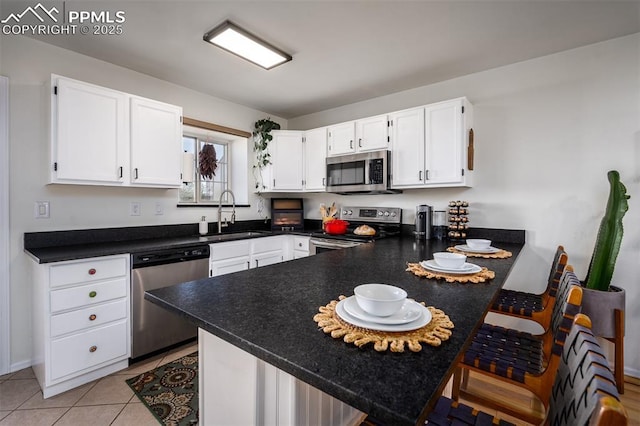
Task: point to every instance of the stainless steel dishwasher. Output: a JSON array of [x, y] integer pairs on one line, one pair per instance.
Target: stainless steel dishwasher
[[152, 327]]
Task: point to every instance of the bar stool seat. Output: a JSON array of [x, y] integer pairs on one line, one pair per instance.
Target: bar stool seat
[[537, 307]]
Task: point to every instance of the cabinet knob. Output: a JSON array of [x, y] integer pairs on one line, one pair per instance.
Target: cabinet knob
[[299, 244], [92, 271], [92, 317], [93, 348], [93, 294]]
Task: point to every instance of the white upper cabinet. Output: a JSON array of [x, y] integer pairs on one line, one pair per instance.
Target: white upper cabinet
[[89, 134], [286, 151], [367, 134], [372, 133], [315, 155], [444, 142], [429, 145], [341, 138], [407, 141], [156, 150], [298, 161], [101, 136]]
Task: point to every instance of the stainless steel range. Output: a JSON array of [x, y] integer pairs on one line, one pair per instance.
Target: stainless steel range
[[386, 221]]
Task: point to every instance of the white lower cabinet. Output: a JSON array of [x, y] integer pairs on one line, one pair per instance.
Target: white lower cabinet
[[268, 250], [81, 325], [300, 247], [257, 393], [229, 257], [235, 256]]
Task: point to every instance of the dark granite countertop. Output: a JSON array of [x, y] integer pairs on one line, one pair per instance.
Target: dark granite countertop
[[269, 311]]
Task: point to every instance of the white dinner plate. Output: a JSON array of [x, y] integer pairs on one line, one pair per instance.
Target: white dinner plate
[[465, 248], [410, 311], [423, 320], [467, 268]]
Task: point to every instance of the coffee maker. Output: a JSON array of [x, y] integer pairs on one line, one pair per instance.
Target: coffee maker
[[423, 222]]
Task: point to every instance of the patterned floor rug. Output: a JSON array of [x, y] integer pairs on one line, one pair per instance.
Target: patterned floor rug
[[170, 391]]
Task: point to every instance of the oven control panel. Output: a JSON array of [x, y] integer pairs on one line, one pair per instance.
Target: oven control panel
[[372, 214]]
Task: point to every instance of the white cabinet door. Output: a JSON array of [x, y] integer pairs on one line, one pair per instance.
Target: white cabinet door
[[315, 155], [228, 266], [268, 258], [89, 134], [226, 258], [407, 148], [286, 151], [268, 250], [341, 139], [156, 143], [372, 133], [444, 143]]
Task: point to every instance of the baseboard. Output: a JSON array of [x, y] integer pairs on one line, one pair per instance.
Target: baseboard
[[20, 366], [632, 376]]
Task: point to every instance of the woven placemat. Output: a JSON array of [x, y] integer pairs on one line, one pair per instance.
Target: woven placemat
[[502, 254], [437, 331], [477, 277]]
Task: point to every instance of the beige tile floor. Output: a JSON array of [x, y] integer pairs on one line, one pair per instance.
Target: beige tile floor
[[107, 401]]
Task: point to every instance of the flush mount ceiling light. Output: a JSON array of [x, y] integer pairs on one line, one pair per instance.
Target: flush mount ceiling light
[[230, 37]]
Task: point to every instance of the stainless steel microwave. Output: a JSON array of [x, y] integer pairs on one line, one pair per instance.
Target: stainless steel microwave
[[366, 172]]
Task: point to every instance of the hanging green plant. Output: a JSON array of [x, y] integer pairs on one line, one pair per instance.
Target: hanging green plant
[[261, 139]]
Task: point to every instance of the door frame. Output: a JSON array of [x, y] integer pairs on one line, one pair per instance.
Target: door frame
[[5, 291]]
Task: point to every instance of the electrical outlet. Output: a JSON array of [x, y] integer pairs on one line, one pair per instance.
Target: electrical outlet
[[134, 208], [159, 209], [41, 210]]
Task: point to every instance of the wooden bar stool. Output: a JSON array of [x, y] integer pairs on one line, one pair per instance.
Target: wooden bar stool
[[583, 392], [520, 358], [536, 307]]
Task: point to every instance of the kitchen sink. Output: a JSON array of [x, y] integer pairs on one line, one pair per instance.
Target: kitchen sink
[[234, 236]]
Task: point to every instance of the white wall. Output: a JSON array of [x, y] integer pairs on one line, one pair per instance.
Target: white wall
[[546, 133], [29, 64]]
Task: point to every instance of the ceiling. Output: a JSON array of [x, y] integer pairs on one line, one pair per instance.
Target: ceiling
[[343, 51]]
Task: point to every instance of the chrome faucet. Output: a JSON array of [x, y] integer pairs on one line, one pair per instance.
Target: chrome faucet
[[222, 224]]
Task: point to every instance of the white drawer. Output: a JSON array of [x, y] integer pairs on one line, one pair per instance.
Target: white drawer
[[92, 316], [301, 243], [87, 271], [227, 250], [80, 351], [89, 294]]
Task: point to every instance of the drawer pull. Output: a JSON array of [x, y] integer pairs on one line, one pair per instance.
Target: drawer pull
[[93, 294], [92, 317], [92, 349], [92, 271]]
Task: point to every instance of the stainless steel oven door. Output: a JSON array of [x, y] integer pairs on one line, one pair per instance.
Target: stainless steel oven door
[[318, 245]]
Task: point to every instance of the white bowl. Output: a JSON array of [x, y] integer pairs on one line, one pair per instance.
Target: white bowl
[[380, 300], [450, 260], [478, 244]]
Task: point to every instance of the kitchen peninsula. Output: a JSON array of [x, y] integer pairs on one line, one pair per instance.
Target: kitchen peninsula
[[268, 314]]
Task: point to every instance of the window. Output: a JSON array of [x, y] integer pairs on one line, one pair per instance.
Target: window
[[229, 147], [206, 169]]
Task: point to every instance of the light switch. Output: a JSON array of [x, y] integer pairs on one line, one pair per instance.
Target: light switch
[[159, 209], [41, 210]]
